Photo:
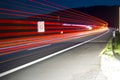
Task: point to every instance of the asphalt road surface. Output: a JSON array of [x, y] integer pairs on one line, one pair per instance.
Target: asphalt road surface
[[66, 66]]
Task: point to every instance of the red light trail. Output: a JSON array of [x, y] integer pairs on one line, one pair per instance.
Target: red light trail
[[76, 12], [60, 25]]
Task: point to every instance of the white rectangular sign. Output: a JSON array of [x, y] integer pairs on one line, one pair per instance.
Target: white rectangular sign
[[41, 26]]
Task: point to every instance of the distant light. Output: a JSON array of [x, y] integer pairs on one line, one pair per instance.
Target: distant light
[[89, 27], [61, 32]]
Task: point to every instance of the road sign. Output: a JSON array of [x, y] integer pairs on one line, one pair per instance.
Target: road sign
[[41, 26]]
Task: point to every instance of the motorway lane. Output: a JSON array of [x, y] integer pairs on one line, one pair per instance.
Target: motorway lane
[[10, 61], [9, 46], [81, 63]]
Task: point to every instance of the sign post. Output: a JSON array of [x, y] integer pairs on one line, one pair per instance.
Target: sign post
[[119, 20], [41, 26]]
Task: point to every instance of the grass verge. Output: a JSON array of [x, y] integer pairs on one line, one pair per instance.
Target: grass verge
[[108, 49], [115, 42]]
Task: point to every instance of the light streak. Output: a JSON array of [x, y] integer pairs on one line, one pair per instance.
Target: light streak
[[89, 27], [45, 4], [78, 13], [63, 25], [44, 58]]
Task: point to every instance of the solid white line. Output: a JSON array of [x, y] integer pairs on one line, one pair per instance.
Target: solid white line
[[49, 56], [39, 47]]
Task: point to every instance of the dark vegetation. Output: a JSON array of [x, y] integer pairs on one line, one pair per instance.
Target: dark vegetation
[[107, 13]]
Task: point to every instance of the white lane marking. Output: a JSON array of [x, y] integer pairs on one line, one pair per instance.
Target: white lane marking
[[49, 56], [31, 43], [41, 41], [23, 45], [39, 47]]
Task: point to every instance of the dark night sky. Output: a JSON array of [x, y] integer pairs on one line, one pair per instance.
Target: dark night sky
[[67, 3], [37, 8], [86, 3]]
